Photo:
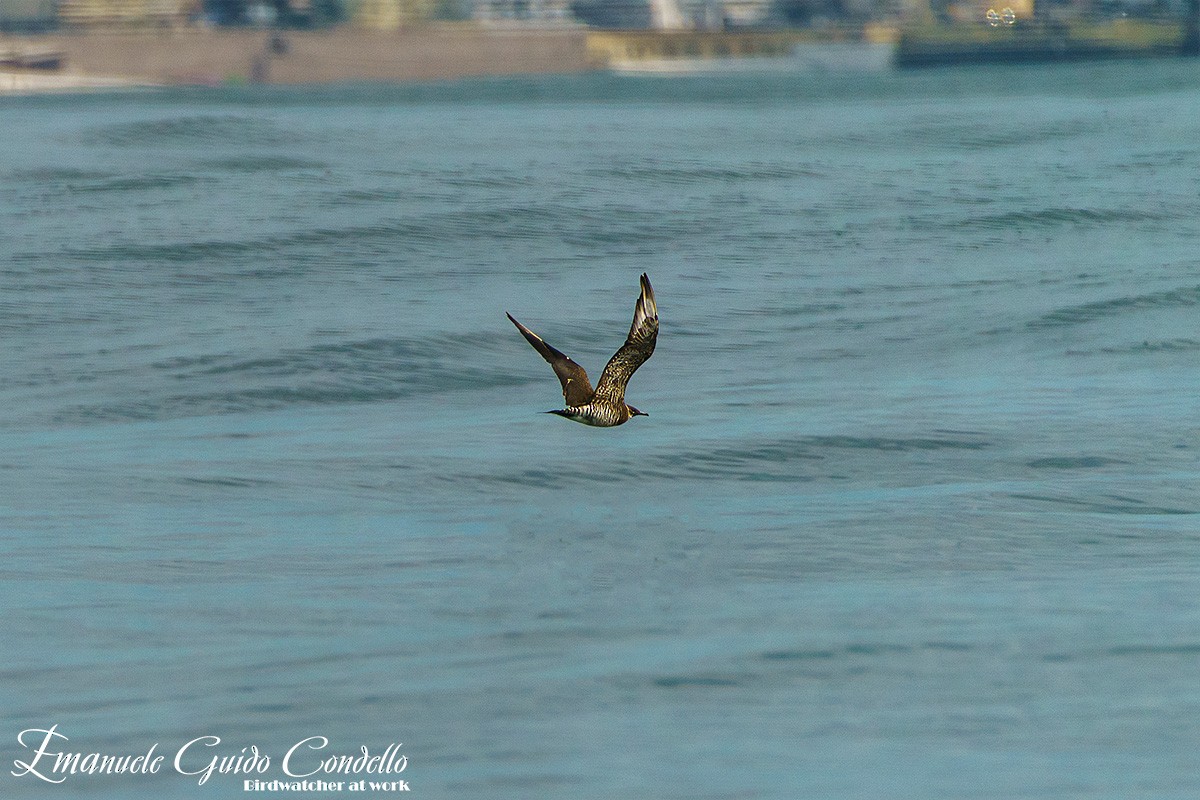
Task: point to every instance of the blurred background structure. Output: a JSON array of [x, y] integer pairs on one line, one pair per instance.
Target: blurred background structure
[[43, 15], [315, 41]]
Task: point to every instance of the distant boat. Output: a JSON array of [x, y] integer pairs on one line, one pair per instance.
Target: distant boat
[[834, 57], [45, 60], [1039, 41]]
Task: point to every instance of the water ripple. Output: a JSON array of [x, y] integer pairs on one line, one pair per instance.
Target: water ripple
[[1090, 312], [191, 130], [775, 461], [374, 370], [1109, 504], [1076, 216]]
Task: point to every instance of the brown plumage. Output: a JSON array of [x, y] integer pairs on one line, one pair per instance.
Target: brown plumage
[[605, 405]]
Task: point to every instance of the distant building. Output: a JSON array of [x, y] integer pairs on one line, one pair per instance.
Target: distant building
[[529, 11], [125, 14], [390, 15], [271, 13], [745, 13], [998, 12], [26, 16], [630, 14]]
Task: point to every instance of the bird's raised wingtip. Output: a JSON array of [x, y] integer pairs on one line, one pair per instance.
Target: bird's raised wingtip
[[520, 326], [647, 307]]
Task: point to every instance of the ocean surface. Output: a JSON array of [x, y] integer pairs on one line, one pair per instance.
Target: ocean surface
[[915, 514]]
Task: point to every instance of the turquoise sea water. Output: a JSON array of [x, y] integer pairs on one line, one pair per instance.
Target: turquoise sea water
[[914, 513]]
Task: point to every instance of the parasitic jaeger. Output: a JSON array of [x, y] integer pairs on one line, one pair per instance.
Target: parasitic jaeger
[[605, 405]]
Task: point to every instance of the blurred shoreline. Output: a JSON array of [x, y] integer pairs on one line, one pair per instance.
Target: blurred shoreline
[[34, 82], [212, 57], [105, 60]]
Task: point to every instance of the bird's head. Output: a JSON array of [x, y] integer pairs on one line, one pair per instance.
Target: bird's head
[[633, 412]]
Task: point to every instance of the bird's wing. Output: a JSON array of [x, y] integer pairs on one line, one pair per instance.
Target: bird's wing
[[638, 347], [577, 390]]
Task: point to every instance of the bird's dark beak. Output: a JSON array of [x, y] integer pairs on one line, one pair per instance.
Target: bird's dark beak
[[637, 413]]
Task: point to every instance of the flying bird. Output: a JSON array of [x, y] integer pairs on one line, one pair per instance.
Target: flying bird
[[605, 405]]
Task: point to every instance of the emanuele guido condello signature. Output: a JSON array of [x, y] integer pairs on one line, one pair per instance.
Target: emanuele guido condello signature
[[49, 761]]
